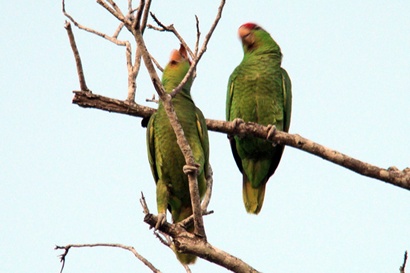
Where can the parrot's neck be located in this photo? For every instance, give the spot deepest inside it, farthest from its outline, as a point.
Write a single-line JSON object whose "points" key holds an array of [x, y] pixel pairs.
{"points": [[183, 96], [266, 57]]}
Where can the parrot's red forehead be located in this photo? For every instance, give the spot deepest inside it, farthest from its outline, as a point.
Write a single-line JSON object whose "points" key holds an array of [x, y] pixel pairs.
{"points": [[249, 25]]}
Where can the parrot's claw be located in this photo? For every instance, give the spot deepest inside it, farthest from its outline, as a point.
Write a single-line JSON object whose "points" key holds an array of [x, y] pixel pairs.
{"points": [[236, 122], [187, 169], [271, 132], [162, 217]]}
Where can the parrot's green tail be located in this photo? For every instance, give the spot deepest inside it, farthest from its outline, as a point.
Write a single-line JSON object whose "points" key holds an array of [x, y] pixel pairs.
{"points": [[253, 197], [182, 257], [186, 258]]}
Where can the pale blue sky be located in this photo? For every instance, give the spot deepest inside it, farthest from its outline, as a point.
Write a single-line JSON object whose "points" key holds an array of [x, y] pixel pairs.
{"points": [[73, 175]]}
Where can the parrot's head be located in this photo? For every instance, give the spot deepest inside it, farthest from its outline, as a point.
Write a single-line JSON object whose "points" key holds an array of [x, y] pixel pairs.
{"points": [[255, 38], [176, 70]]}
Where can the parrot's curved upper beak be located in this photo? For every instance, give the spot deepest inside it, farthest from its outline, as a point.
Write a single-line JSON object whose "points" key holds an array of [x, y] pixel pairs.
{"points": [[243, 31]]}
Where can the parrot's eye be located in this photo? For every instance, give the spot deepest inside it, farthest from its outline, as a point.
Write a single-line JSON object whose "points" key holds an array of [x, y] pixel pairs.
{"points": [[173, 62]]}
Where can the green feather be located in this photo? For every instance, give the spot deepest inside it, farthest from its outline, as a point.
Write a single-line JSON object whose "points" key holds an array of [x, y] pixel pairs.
{"points": [[259, 90]]}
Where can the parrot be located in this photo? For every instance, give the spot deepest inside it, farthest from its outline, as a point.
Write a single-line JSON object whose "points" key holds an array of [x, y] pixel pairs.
{"points": [[164, 155], [259, 90]]}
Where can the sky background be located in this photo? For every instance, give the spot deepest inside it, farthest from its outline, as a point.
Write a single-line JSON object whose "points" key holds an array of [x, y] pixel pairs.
{"points": [[73, 175]]}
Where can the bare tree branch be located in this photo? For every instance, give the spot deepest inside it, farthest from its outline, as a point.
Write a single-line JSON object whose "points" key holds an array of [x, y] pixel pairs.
{"points": [[390, 175], [208, 193], [88, 100], [103, 35], [403, 266], [198, 36], [142, 12], [116, 8], [160, 68], [172, 29], [118, 30], [132, 69], [129, 248], [117, 14], [189, 243], [80, 71]]}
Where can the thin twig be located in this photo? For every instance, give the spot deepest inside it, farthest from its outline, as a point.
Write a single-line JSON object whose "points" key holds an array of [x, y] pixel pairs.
{"points": [[208, 192], [114, 12], [116, 8], [136, 24], [403, 266], [161, 235], [144, 204], [118, 30], [145, 16], [187, 222], [132, 74], [187, 269], [129, 6], [160, 68], [103, 35], [129, 248], [172, 29], [80, 71], [198, 36], [143, 11], [153, 99]]}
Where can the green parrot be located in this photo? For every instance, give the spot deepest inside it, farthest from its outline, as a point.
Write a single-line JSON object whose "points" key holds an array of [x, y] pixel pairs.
{"points": [[164, 155], [259, 90]]}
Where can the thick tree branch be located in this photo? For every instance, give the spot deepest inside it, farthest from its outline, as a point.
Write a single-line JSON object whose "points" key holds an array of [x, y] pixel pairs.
{"points": [[189, 243], [390, 175], [89, 100], [129, 248]]}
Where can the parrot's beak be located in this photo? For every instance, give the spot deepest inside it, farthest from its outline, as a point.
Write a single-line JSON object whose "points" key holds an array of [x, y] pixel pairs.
{"points": [[243, 32], [246, 36]]}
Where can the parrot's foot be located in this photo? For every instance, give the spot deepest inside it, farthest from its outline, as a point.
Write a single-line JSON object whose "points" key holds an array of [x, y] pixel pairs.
{"points": [[162, 217], [236, 122], [187, 169], [271, 132]]}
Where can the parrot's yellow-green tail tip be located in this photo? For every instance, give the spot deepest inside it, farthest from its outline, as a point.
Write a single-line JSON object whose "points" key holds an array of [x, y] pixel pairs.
{"points": [[253, 197], [184, 258]]}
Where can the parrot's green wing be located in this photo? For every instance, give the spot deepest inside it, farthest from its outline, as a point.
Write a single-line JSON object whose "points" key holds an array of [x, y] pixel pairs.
{"points": [[287, 94], [151, 146], [203, 136], [229, 96]]}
